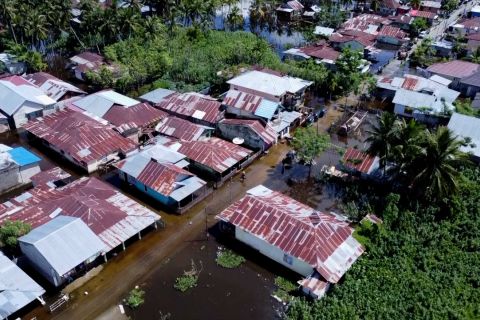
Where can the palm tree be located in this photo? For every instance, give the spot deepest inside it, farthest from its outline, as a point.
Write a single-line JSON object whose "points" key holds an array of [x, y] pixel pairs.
{"points": [[235, 18], [7, 12], [435, 170], [382, 138], [407, 146]]}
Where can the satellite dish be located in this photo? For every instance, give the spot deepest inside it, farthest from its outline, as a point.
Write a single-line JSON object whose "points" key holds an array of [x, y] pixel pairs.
{"points": [[238, 141]]}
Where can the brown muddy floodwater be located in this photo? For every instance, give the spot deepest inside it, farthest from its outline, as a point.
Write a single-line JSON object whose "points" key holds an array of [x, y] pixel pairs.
{"points": [[241, 293]]}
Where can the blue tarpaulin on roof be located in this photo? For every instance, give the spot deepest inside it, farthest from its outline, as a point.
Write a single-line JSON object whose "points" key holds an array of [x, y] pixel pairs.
{"points": [[266, 109], [22, 156]]}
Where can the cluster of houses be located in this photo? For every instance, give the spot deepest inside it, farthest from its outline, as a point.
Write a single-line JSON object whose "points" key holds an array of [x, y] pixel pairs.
{"points": [[390, 24], [170, 146]]}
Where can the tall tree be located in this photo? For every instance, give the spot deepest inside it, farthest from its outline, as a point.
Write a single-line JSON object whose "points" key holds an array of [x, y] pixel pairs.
{"points": [[434, 171], [382, 138], [308, 144]]}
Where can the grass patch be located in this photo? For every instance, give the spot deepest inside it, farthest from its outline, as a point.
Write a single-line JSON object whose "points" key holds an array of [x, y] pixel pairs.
{"points": [[228, 259], [189, 279], [284, 290], [136, 298], [185, 282]]}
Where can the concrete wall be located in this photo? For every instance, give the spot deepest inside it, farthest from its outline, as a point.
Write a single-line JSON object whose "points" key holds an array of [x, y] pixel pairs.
{"points": [[9, 177], [274, 253], [26, 172], [252, 140]]}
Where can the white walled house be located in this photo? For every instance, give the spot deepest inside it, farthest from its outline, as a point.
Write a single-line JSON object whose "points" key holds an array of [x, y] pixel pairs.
{"points": [[17, 167], [21, 101], [294, 235]]}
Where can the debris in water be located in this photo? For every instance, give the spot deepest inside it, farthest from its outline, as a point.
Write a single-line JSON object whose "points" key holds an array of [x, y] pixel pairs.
{"points": [[86, 293]]}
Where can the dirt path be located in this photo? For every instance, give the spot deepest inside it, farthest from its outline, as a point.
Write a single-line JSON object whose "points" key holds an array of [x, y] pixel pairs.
{"points": [[141, 258]]}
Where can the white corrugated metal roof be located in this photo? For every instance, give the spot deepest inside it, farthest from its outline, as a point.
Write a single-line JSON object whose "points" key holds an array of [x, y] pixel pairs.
{"points": [[100, 102], [467, 126], [64, 242], [14, 95], [17, 289], [156, 95], [269, 83]]}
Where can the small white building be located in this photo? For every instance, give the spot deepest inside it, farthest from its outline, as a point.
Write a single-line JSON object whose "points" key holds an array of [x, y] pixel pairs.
{"points": [[21, 101], [294, 235], [272, 86], [17, 167]]}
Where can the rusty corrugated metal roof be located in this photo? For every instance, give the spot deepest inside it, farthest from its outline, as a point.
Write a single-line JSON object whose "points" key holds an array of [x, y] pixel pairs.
{"points": [[112, 216], [82, 137], [358, 160], [180, 129], [193, 105], [214, 153], [141, 115], [410, 83], [315, 237]]}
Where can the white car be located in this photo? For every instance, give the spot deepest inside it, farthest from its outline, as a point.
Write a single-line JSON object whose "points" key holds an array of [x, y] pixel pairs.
{"points": [[423, 34]]}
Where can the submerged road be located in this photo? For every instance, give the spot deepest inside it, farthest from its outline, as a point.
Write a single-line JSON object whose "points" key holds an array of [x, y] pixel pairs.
{"points": [[142, 258]]}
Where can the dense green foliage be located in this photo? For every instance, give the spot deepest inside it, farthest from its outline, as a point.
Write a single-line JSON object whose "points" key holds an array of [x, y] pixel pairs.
{"points": [[308, 143], [228, 259], [465, 107], [284, 289], [424, 161], [136, 297], [424, 54], [10, 231], [417, 266]]}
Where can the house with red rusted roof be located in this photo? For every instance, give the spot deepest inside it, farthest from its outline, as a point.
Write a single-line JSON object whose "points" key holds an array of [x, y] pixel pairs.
{"points": [[213, 158], [321, 52], [352, 39], [113, 217], [192, 106], [163, 178], [298, 237], [403, 21], [86, 61], [457, 71], [255, 134], [135, 122], [359, 163], [182, 129], [388, 7], [392, 35], [54, 87], [83, 139], [290, 10], [366, 22], [427, 15]]}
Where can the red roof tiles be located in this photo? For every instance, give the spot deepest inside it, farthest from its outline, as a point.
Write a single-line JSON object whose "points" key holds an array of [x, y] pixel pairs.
{"points": [[317, 238], [192, 105], [141, 115], [358, 160], [80, 136]]}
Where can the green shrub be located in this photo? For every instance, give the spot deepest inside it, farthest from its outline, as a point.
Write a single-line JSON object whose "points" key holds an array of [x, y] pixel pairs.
{"points": [[135, 298], [228, 259], [185, 282]]}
